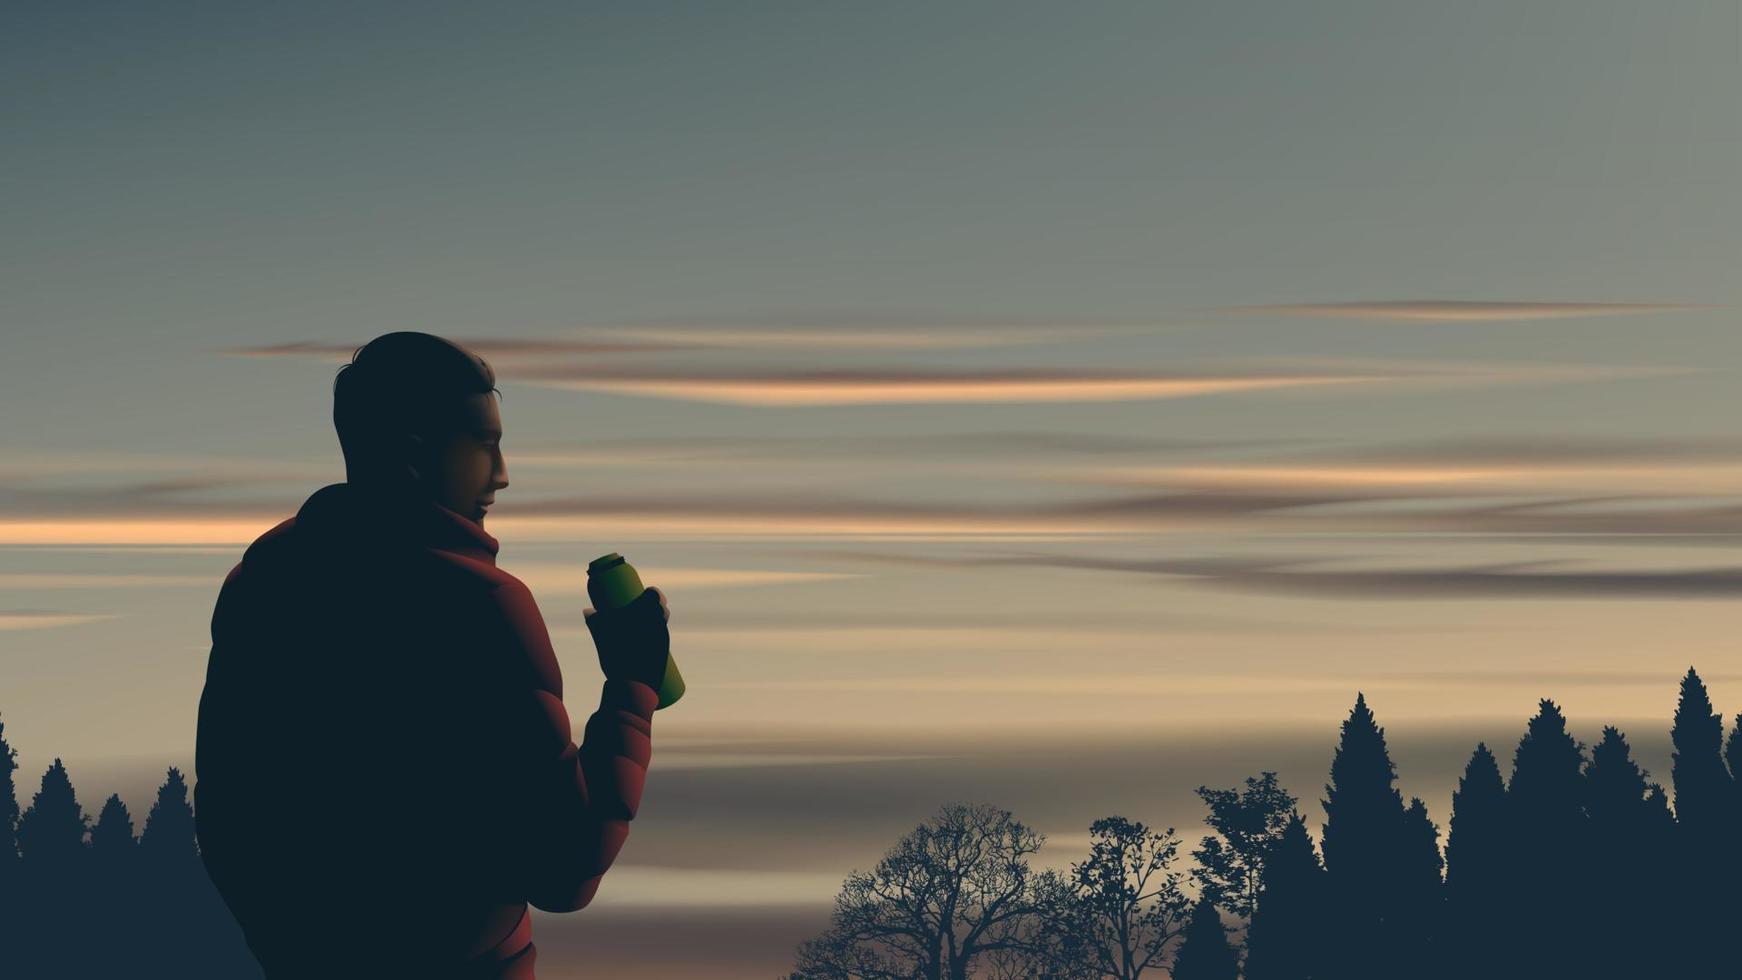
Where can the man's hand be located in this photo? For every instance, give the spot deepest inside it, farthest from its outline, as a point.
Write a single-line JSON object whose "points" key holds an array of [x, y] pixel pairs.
{"points": [[633, 641]]}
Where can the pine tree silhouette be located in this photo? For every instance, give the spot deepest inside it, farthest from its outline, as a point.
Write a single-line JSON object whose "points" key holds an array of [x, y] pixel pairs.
{"points": [[1476, 844], [1205, 953], [114, 903], [1631, 829], [1421, 901], [168, 838], [81, 908], [11, 883], [8, 814], [1706, 801], [1365, 850], [1732, 754], [51, 834], [1546, 800], [1479, 866], [56, 877], [191, 915], [1703, 787], [1285, 941], [112, 840]]}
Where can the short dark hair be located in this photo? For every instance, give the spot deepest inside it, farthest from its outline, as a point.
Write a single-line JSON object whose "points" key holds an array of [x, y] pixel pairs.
{"points": [[403, 382]]}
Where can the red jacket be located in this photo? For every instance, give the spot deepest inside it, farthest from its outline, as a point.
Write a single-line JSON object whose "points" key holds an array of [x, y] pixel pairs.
{"points": [[385, 770]]}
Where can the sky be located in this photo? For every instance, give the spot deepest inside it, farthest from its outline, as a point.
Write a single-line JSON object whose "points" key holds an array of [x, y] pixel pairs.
{"points": [[1005, 396]]}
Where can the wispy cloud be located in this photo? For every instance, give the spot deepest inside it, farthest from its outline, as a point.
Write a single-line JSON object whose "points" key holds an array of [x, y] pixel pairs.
{"points": [[913, 386], [1509, 580], [558, 578], [1465, 311], [31, 581], [633, 885], [37, 463], [42, 619], [1032, 448], [859, 337], [489, 348], [1185, 683], [800, 514]]}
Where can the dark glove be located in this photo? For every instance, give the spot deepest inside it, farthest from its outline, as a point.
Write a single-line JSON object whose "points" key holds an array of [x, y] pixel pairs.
{"points": [[633, 641]]}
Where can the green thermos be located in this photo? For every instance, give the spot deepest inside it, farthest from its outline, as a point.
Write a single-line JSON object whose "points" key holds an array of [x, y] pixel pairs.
{"points": [[613, 583]]}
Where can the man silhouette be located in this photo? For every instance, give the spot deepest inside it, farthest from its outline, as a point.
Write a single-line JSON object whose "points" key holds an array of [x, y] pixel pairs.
{"points": [[386, 776]]}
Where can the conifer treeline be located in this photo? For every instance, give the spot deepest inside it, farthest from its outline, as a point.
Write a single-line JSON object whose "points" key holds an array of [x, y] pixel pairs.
{"points": [[1574, 866], [79, 899]]}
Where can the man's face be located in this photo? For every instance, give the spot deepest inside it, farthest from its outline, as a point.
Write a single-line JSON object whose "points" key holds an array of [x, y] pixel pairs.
{"points": [[471, 468]]}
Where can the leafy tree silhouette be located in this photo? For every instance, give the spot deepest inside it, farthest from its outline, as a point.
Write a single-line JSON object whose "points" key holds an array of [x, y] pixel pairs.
{"points": [[1577, 868], [1364, 848], [1129, 902], [1706, 805], [1205, 953], [1250, 822], [952, 890], [1285, 941]]}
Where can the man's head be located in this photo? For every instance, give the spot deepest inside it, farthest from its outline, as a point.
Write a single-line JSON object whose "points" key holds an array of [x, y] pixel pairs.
{"points": [[416, 419]]}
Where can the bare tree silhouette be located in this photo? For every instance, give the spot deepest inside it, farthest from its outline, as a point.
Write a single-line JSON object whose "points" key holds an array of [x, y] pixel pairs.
{"points": [[955, 889]]}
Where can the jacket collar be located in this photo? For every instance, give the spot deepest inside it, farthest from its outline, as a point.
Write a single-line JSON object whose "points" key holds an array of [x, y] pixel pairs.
{"points": [[354, 511]]}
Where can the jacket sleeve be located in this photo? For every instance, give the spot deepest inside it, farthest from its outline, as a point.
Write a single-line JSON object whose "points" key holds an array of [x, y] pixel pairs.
{"points": [[566, 808]]}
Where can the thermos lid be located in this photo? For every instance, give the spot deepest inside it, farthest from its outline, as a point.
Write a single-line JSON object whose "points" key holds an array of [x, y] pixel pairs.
{"points": [[604, 562]]}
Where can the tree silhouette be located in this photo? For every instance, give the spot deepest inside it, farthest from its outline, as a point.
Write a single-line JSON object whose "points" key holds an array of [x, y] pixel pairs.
{"points": [[55, 879], [1421, 897], [1130, 906], [8, 816], [1285, 941], [112, 840], [51, 834], [950, 891], [1364, 848], [1050, 944], [168, 837], [1476, 844], [1629, 830], [1479, 865], [1732, 751], [1706, 801], [11, 884], [1704, 791], [1205, 954], [117, 901], [1250, 822], [1546, 801]]}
